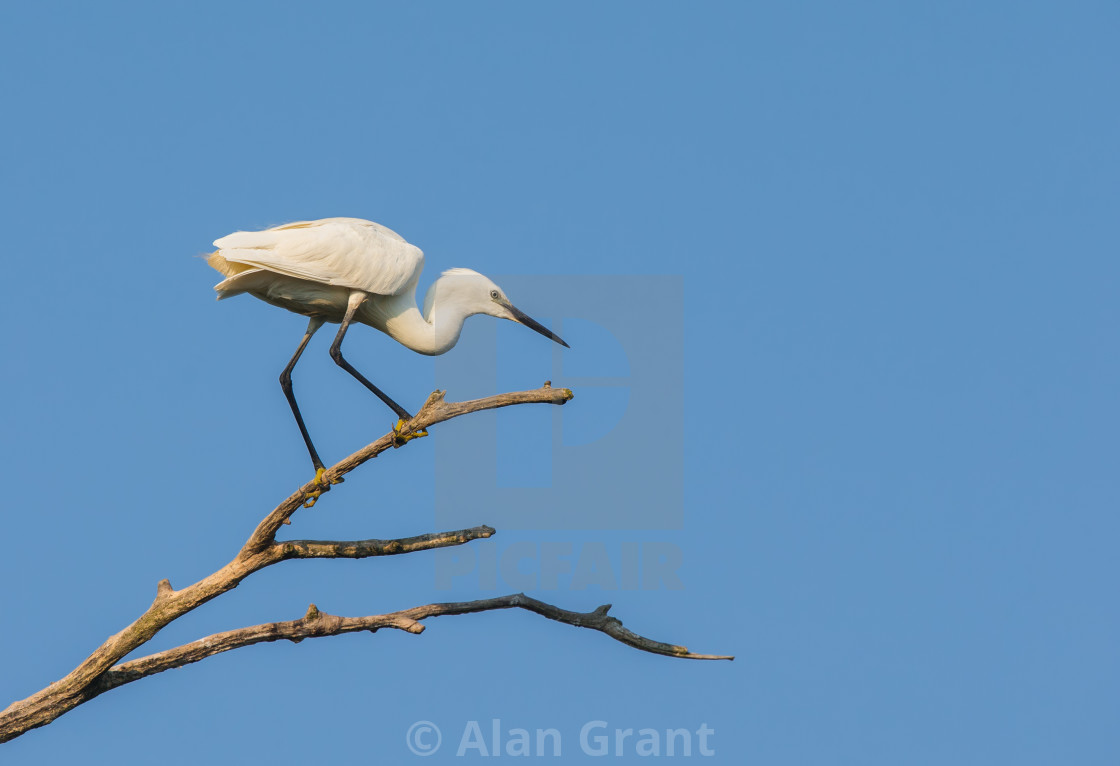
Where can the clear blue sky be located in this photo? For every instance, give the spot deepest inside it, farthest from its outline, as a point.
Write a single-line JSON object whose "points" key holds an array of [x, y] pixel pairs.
{"points": [[889, 373]]}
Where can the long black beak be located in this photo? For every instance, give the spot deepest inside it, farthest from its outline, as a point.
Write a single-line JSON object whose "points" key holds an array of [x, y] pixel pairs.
{"points": [[533, 324]]}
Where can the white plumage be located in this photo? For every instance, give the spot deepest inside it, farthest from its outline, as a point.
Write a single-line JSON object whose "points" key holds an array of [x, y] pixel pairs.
{"points": [[347, 252], [348, 270]]}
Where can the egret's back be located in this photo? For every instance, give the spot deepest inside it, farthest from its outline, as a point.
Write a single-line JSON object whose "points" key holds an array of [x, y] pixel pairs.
{"points": [[341, 252]]}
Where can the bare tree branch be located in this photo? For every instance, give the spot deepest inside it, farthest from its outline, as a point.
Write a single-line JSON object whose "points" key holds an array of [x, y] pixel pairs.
{"points": [[84, 682], [317, 624], [360, 549], [100, 671], [259, 551]]}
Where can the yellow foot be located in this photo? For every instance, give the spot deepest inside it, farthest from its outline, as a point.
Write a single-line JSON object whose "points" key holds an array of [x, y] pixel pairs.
{"points": [[401, 437], [313, 497]]}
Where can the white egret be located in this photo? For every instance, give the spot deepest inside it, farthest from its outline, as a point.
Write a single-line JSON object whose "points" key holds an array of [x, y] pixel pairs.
{"points": [[345, 270]]}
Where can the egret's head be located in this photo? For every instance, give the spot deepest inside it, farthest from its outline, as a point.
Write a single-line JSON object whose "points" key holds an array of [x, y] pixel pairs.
{"points": [[477, 294]]}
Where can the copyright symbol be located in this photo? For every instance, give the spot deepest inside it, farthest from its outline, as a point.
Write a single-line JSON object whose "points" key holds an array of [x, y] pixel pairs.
{"points": [[423, 738]]}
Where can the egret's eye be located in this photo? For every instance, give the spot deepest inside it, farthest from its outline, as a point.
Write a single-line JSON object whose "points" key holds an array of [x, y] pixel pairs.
{"points": [[495, 294]]}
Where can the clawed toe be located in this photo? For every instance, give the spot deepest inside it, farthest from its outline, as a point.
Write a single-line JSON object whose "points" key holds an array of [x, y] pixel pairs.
{"points": [[402, 437], [313, 496]]}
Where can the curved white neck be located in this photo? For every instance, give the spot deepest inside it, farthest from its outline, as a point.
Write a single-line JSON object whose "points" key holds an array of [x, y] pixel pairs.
{"points": [[433, 333]]}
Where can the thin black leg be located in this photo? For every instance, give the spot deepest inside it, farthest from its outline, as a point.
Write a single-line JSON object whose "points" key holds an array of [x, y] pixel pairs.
{"points": [[356, 299], [286, 384]]}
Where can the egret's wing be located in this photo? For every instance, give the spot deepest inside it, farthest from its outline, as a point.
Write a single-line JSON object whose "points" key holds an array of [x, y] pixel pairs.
{"points": [[347, 252], [243, 282]]}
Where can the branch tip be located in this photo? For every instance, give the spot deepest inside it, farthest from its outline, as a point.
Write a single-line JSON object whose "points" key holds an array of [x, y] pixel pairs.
{"points": [[408, 625]]}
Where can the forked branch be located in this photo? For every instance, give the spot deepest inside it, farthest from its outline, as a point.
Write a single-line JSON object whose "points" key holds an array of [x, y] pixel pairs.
{"points": [[103, 669], [435, 410]]}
